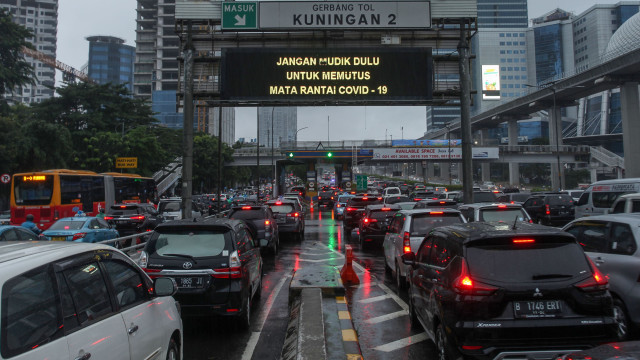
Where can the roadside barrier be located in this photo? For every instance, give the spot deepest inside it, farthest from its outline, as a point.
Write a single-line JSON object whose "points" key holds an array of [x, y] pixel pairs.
{"points": [[347, 274]]}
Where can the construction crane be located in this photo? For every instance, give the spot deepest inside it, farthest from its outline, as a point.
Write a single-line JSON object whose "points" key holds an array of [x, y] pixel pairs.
{"points": [[70, 74]]}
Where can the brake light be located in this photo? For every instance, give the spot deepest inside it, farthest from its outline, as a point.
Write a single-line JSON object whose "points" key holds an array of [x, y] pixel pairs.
{"points": [[466, 286], [123, 206], [548, 211], [228, 273], [442, 202], [351, 209], [246, 208], [385, 209], [513, 202], [436, 212], [365, 198], [417, 199], [502, 206], [379, 198], [597, 282], [267, 222], [108, 218], [332, 198], [319, 197], [471, 347], [278, 202], [523, 241], [137, 217], [152, 272], [406, 242], [77, 236], [338, 205]]}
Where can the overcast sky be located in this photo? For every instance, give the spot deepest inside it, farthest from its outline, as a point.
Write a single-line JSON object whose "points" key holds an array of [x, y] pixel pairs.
{"points": [[78, 19]]}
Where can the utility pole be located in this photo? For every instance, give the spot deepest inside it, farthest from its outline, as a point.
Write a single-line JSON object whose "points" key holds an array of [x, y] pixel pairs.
{"points": [[187, 140], [220, 164], [465, 114], [258, 151], [273, 186]]}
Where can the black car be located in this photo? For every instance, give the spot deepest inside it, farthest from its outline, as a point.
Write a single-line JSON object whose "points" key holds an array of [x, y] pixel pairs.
{"points": [[262, 222], [434, 204], [216, 264], [551, 209], [478, 197], [354, 211], [131, 219], [289, 216], [374, 223], [485, 289], [327, 198]]}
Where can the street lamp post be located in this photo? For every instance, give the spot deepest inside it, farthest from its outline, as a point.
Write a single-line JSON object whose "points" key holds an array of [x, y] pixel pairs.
{"points": [[297, 131], [558, 128], [449, 153], [273, 188]]}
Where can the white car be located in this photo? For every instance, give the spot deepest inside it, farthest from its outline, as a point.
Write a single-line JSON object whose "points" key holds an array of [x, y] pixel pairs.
{"points": [[170, 209], [68, 300], [392, 190]]}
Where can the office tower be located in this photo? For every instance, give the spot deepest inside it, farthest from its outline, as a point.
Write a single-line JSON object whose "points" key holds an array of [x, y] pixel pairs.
{"points": [[502, 14], [111, 61], [41, 17], [285, 125]]}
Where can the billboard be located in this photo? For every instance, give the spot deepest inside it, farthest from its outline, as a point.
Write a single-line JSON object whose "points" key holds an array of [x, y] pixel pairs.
{"points": [[350, 75], [490, 82], [412, 143], [439, 153]]}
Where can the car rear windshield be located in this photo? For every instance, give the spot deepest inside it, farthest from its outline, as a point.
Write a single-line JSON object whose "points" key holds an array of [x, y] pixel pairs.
{"points": [[505, 261], [381, 215], [519, 197], [67, 225], [559, 200], [246, 214], [281, 209], [360, 203], [484, 197], [117, 210], [508, 215], [196, 243], [423, 223], [396, 199], [169, 206]]}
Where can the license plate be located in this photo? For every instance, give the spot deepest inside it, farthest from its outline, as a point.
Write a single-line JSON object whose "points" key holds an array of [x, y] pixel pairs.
{"points": [[537, 309], [58, 238], [189, 282]]}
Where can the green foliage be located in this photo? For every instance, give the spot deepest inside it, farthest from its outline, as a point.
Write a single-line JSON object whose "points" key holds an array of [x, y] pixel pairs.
{"points": [[205, 163], [574, 177], [14, 69]]}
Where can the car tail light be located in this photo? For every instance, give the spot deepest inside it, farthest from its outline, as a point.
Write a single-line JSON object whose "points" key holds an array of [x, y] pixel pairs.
{"points": [[338, 205], [442, 202], [77, 236], [385, 209], [278, 202], [267, 222], [137, 217], [436, 212], [332, 198], [246, 208], [293, 214], [406, 242], [351, 209], [548, 211], [367, 220], [417, 199], [466, 286], [142, 261], [234, 271], [123, 206], [108, 218], [365, 198], [152, 272], [597, 282], [523, 241], [471, 347], [502, 206]]}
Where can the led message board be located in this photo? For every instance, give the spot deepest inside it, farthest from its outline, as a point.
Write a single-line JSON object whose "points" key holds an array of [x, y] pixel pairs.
{"points": [[313, 75]]}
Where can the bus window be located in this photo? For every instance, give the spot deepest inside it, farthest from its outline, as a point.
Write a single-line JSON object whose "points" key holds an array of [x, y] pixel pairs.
{"points": [[33, 190]]}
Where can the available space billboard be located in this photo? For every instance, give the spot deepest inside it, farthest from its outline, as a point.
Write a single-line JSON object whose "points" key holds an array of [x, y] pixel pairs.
{"points": [[490, 82], [438, 153]]}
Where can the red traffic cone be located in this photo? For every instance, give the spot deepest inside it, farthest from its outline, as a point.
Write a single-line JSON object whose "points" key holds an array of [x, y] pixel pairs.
{"points": [[347, 274]]}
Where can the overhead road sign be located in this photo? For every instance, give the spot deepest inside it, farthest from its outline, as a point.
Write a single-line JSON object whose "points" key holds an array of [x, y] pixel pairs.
{"points": [[126, 162], [351, 15], [239, 15], [327, 75], [439, 153]]}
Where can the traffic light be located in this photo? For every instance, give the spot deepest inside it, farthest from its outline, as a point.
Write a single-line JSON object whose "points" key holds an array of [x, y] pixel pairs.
{"points": [[291, 155], [329, 154]]}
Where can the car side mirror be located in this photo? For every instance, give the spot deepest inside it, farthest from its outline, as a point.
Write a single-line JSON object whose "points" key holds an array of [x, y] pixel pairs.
{"points": [[264, 242], [409, 259], [164, 286]]}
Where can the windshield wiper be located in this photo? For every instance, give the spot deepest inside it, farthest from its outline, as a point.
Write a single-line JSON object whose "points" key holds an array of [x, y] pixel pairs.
{"points": [[184, 256], [550, 276]]}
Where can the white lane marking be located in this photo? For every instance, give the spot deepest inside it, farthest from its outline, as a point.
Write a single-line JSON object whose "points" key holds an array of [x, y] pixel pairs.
{"points": [[383, 318], [399, 344], [317, 260], [255, 336], [395, 297], [374, 299]]}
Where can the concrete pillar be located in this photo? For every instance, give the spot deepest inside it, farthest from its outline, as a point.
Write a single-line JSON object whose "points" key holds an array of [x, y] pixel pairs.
{"points": [[486, 171], [555, 140], [430, 171], [514, 167], [594, 175], [630, 128], [580, 122], [423, 171], [604, 112], [445, 174]]}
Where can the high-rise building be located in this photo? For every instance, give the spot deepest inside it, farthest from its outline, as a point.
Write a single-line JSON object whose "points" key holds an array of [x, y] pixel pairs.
{"points": [[502, 14], [551, 46], [283, 120], [157, 69], [41, 17], [111, 61]]}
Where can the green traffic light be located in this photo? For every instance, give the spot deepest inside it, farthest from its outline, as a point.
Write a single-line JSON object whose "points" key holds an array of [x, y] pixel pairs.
{"points": [[329, 154], [290, 155]]}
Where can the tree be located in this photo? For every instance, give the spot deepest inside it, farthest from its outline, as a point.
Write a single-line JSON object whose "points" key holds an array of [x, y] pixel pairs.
{"points": [[14, 69]]}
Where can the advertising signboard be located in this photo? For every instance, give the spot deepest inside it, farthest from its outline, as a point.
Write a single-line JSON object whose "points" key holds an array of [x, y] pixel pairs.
{"points": [[439, 153], [490, 82], [323, 74]]}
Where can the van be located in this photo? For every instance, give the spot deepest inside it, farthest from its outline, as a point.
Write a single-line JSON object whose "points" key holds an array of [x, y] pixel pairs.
{"points": [[600, 195]]}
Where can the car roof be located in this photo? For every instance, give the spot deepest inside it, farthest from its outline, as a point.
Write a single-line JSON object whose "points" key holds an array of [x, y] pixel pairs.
{"points": [[41, 252], [77, 218], [380, 206], [4, 228], [207, 222], [492, 205], [428, 210], [621, 217], [284, 201], [475, 231], [626, 196]]}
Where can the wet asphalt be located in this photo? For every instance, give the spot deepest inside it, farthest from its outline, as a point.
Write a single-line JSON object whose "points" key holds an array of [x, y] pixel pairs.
{"points": [[379, 313]]}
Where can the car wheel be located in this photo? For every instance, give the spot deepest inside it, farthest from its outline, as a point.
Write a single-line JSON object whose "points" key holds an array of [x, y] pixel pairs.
{"points": [[387, 268], [244, 319], [363, 243], [172, 351], [620, 315], [400, 280], [274, 248], [445, 350], [413, 317], [258, 293]]}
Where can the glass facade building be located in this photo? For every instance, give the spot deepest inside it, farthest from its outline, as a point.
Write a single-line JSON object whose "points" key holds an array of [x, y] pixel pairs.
{"points": [[111, 61], [284, 121], [164, 105], [502, 14], [548, 56]]}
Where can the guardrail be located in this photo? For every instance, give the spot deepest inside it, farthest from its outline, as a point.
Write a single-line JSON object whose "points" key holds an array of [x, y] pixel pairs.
{"points": [[124, 238]]}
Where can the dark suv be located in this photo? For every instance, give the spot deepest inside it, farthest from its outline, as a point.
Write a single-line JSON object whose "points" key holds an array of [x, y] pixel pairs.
{"points": [[485, 289], [551, 209], [216, 264], [354, 211], [374, 223], [131, 219], [289, 216], [327, 198], [263, 222]]}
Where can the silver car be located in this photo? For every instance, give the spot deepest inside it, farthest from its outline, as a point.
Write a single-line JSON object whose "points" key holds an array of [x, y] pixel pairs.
{"points": [[611, 241]]}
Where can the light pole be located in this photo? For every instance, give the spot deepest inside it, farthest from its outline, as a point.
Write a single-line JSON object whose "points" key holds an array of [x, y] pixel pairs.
{"points": [[449, 153], [297, 131], [273, 190]]}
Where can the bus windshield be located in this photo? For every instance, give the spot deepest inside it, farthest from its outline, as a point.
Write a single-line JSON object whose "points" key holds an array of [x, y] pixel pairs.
{"points": [[33, 189]]}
